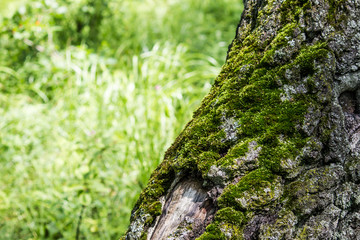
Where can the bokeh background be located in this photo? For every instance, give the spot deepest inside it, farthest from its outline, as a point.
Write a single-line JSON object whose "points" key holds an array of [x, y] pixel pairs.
{"points": [[92, 92]]}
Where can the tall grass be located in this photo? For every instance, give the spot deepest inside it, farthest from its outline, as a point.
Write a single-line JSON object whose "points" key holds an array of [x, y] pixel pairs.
{"points": [[84, 119], [7, 8]]}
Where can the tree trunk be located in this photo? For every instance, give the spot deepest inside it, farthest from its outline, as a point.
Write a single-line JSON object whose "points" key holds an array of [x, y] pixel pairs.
{"points": [[273, 150]]}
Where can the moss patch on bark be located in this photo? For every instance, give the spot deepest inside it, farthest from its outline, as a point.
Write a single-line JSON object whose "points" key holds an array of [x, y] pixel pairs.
{"points": [[249, 132]]}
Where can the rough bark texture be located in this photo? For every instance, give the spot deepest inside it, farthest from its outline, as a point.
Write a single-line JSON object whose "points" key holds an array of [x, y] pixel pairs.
{"points": [[273, 151]]}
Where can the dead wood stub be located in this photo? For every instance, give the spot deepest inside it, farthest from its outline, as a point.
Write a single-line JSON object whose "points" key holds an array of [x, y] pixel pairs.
{"points": [[188, 206]]}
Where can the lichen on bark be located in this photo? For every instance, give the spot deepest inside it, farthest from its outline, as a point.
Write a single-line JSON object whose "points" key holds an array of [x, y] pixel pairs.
{"points": [[275, 144]]}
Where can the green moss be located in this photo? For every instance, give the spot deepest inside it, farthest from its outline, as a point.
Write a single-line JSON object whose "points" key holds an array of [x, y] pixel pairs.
{"points": [[249, 91], [234, 153], [307, 57], [255, 100], [263, 117], [213, 232], [155, 208], [291, 9], [301, 197], [222, 231], [334, 7], [230, 215], [282, 226], [206, 160], [255, 181], [282, 37], [143, 236], [271, 157]]}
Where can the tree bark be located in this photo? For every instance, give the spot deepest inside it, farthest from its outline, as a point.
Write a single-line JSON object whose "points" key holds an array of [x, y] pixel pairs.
{"points": [[273, 150]]}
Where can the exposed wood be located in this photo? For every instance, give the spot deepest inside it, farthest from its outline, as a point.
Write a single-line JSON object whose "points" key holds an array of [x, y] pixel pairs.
{"points": [[187, 205]]}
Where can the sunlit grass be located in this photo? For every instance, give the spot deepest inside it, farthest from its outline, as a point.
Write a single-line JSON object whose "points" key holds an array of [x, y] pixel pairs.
{"points": [[81, 129], [7, 8]]}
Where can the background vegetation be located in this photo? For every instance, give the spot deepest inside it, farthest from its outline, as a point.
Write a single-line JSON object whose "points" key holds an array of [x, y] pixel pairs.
{"points": [[92, 92]]}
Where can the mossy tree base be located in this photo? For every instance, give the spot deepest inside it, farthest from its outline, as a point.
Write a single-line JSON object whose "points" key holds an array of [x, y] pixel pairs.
{"points": [[275, 146]]}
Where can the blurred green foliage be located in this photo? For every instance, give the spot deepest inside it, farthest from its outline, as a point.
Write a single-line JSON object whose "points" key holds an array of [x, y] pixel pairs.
{"points": [[92, 92]]}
